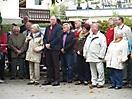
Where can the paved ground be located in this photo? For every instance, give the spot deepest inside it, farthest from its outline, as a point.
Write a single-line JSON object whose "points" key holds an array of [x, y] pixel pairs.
{"points": [[18, 89]]}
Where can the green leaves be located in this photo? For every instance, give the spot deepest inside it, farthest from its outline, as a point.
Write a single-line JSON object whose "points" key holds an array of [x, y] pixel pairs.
{"points": [[0, 18]]}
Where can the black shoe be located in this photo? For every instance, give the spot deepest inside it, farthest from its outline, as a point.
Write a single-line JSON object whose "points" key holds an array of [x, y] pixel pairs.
{"points": [[36, 83], [30, 83], [111, 87], [2, 78], [46, 83], [118, 88], [85, 83], [69, 81], [56, 84], [12, 78], [79, 83], [20, 77], [62, 80]]}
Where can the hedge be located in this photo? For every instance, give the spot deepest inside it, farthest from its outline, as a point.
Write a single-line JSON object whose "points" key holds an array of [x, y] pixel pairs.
{"points": [[104, 25], [7, 27]]}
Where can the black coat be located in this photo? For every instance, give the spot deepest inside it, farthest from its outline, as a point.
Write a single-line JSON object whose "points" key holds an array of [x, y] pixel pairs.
{"points": [[69, 44]]}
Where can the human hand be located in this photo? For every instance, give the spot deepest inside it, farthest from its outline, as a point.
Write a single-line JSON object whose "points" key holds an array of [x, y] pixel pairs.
{"points": [[48, 46]]}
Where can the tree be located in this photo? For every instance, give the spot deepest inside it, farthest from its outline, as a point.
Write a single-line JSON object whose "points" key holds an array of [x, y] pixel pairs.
{"points": [[79, 2], [87, 3], [0, 18]]}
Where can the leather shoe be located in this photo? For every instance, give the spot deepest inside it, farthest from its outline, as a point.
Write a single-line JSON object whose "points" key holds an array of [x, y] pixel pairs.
{"points": [[69, 81], [46, 83], [30, 83], [62, 80], [118, 88], [100, 86], [79, 83], [12, 78], [56, 84], [36, 83], [111, 87], [92, 86]]}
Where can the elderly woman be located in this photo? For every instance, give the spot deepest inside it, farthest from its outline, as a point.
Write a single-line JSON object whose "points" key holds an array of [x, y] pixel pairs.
{"points": [[33, 54], [3, 43], [83, 67], [17, 46], [115, 58]]}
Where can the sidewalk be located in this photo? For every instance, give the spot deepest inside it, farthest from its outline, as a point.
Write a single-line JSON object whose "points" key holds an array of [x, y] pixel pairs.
{"points": [[18, 89]]}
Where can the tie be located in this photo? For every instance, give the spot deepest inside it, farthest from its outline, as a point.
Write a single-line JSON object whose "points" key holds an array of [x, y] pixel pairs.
{"points": [[50, 31]]}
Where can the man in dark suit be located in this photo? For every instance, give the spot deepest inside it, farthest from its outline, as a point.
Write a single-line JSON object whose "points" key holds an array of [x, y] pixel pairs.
{"points": [[66, 55], [52, 47], [23, 27]]}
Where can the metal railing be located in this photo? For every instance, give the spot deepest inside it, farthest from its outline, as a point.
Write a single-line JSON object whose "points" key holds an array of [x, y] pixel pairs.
{"points": [[35, 14]]}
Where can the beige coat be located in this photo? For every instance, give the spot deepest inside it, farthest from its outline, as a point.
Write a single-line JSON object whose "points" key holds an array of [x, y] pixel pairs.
{"points": [[37, 44]]}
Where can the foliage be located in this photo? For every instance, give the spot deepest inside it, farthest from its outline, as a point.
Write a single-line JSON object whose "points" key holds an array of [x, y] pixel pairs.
{"points": [[79, 1], [7, 27], [0, 18], [55, 10], [20, 0], [104, 24]]}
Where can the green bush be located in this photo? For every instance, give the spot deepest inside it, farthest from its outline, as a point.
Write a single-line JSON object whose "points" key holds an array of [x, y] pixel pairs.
{"points": [[104, 24], [7, 27], [0, 18]]}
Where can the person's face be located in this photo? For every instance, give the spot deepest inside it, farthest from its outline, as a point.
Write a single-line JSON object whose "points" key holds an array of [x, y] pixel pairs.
{"points": [[77, 24], [28, 26], [33, 30], [84, 30], [25, 20], [65, 29], [12, 26], [16, 31], [94, 29], [118, 21], [111, 22], [52, 20]]}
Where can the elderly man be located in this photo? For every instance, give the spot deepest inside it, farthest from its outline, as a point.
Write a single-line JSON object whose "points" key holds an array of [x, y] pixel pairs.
{"points": [[94, 52], [17, 46], [52, 48], [23, 27], [27, 32], [127, 35], [67, 44]]}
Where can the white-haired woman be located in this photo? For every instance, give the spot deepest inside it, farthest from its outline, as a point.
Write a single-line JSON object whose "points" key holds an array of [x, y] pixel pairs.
{"points": [[115, 58], [33, 54]]}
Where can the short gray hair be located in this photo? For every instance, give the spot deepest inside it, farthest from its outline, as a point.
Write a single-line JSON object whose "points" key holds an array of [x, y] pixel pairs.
{"points": [[67, 24], [97, 25], [38, 29], [16, 27], [119, 33]]}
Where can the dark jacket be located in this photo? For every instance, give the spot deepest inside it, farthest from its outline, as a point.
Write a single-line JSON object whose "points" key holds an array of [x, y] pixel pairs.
{"points": [[54, 39], [80, 43], [17, 42], [69, 44]]}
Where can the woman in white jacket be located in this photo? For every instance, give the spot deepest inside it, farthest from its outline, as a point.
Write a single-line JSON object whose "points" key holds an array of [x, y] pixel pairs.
{"points": [[33, 54], [115, 58]]}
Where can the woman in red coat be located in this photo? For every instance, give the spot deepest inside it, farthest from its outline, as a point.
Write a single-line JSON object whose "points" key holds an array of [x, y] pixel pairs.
{"points": [[3, 43], [110, 31]]}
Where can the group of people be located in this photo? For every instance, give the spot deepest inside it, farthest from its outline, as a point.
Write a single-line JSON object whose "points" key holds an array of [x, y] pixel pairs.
{"points": [[78, 49]]}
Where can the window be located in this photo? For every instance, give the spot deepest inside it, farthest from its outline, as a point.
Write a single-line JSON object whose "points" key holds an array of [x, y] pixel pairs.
{"points": [[38, 2]]}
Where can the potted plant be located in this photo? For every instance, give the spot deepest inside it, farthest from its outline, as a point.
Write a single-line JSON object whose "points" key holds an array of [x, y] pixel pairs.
{"points": [[79, 2]]}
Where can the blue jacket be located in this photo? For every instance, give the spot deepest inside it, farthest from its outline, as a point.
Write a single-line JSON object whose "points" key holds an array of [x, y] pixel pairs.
{"points": [[131, 46], [54, 39]]}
